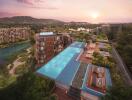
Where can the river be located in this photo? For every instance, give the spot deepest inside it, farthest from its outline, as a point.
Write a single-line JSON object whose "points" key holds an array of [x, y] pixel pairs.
{"points": [[8, 52]]}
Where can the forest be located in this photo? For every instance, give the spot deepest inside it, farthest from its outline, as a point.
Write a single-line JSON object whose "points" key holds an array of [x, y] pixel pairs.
{"points": [[121, 36]]}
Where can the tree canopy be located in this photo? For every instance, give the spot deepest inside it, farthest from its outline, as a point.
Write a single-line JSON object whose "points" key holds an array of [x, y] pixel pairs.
{"points": [[118, 93], [29, 87]]}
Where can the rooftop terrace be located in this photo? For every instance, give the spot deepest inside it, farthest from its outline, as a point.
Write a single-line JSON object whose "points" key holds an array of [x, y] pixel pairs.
{"points": [[92, 88]]}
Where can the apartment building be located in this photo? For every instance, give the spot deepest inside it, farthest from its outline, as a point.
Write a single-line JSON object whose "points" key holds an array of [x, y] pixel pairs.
{"points": [[9, 35], [48, 44]]}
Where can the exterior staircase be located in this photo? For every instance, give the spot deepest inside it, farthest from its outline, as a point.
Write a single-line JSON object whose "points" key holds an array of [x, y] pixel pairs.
{"points": [[75, 93]]}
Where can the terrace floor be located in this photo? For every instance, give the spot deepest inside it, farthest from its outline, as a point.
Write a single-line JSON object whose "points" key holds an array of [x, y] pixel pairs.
{"points": [[91, 77], [84, 59]]}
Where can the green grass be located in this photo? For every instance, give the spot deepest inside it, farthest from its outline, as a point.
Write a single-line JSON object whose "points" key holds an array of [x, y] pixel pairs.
{"points": [[6, 80], [23, 57], [101, 36], [21, 69]]}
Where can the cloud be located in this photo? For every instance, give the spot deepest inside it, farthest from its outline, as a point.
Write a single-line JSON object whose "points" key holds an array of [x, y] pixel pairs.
{"points": [[37, 4], [30, 2], [48, 8]]}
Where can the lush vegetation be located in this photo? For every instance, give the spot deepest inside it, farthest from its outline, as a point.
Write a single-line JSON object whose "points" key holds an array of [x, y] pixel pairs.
{"points": [[81, 36], [6, 80], [121, 35], [24, 85], [101, 36], [118, 93], [100, 60], [29, 87]]}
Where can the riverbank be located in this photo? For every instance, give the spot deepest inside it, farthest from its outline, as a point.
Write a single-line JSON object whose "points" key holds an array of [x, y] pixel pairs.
{"points": [[19, 62]]}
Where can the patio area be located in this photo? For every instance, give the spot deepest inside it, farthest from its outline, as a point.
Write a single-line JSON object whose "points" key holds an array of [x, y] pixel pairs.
{"points": [[87, 55]]}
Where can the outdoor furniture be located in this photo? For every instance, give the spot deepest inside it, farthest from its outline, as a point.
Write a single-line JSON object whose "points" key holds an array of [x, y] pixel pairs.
{"points": [[90, 51], [88, 56]]}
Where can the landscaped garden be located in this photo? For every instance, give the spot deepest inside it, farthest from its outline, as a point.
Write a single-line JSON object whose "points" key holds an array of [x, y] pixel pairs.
{"points": [[101, 36]]}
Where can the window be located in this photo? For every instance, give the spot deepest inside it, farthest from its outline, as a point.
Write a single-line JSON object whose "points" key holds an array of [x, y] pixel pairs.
{"points": [[41, 61], [41, 48], [42, 44]]}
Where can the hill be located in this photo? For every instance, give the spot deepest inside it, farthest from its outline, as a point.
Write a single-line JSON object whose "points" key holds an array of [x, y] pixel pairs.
{"points": [[28, 20]]}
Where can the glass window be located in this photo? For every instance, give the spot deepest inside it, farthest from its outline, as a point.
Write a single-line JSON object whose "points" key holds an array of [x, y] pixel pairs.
{"points": [[41, 48]]}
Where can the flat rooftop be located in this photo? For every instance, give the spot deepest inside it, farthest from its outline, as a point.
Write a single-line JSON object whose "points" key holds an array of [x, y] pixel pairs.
{"points": [[46, 33], [62, 68]]}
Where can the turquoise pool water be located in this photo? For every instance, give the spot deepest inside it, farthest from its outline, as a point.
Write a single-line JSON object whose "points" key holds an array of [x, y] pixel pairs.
{"points": [[54, 67], [57, 67]]}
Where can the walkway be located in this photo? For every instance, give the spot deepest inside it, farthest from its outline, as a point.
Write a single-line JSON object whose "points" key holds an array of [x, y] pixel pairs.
{"points": [[16, 63]]}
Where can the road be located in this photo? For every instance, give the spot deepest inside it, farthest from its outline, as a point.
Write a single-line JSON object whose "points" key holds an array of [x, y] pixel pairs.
{"points": [[122, 67]]}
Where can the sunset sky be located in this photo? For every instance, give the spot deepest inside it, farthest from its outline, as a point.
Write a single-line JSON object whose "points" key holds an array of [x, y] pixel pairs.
{"points": [[94, 11]]}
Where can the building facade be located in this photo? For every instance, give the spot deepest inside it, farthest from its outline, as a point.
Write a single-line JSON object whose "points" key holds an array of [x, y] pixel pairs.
{"points": [[48, 45], [10, 35]]}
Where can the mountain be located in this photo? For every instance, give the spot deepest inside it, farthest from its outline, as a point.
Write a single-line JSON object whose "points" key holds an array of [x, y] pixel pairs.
{"points": [[31, 20], [28, 20]]}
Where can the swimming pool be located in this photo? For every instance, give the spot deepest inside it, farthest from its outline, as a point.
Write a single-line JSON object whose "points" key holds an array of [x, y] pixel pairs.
{"points": [[62, 67]]}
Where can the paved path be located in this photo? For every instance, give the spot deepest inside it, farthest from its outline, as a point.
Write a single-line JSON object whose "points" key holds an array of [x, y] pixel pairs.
{"points": [[122, 67], [16, 63]]}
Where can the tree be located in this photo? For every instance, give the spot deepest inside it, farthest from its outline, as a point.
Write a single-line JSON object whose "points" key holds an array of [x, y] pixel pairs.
{"points": [[98, 59], [118, 93], [28, 87]]}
